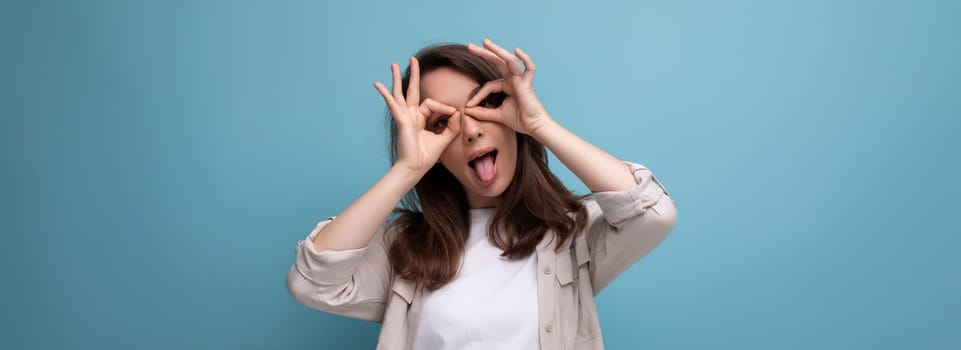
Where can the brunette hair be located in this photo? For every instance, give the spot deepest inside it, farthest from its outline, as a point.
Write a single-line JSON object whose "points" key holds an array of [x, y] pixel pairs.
{"points": [[433, 221]]}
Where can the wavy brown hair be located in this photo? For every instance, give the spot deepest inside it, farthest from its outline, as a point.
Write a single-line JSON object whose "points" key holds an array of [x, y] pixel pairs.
{"points": [[433, 221]]}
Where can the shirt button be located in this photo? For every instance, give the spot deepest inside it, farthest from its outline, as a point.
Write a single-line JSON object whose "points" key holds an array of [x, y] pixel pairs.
{"points": [[547, 270], [548, 328]]}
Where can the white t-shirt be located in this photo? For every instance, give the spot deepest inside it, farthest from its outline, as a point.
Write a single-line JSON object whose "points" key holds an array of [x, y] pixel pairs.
{"points": [[490, 304]]}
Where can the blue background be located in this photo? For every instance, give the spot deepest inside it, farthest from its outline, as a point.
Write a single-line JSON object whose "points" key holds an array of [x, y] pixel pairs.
{"points": [[161, 160]]}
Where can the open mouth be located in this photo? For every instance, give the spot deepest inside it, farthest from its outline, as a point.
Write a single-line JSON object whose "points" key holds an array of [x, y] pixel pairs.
{"points": [[483, 165]]}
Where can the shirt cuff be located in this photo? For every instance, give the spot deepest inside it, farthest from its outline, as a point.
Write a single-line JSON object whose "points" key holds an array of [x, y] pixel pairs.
{"points": [[327, 267], [620, 206]]}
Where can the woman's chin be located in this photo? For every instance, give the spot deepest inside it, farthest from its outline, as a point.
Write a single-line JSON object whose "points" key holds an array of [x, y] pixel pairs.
{"points": [[490, 192]]}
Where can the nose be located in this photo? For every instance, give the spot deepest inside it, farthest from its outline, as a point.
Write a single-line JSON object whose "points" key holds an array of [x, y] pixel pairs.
{"points": [[471, 128]]}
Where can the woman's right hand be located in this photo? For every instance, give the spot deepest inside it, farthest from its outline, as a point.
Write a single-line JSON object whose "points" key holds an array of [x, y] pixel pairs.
{"points": [[424, 129]]}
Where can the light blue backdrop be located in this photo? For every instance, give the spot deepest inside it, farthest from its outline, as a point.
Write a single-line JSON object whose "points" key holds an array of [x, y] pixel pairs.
{"points": [[161, 159]]}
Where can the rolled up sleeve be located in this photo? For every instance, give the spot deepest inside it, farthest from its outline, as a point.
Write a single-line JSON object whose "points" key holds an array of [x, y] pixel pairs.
{"points": [[327, 267], [352, 283], [627, 225]]}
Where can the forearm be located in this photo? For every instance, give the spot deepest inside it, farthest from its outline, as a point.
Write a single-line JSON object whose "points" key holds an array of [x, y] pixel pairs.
{"points": [[599, 170], [357, 224]]}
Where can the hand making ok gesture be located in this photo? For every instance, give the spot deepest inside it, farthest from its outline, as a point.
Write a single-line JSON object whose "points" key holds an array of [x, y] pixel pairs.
{"points": [[520, 110], [418, 147]]}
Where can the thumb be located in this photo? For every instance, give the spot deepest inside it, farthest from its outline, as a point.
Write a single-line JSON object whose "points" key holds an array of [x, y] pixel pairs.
{"points": [[453, 127]]}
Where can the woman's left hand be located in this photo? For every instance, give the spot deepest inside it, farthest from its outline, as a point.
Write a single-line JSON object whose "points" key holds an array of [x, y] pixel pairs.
{"points": [[520, 110]]}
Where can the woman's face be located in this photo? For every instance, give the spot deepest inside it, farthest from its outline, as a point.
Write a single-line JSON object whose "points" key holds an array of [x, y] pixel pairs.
{"points": [[483, 156]]}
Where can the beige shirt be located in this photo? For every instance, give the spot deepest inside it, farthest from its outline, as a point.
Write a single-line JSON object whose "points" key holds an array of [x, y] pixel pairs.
{"points": [[623, 226]]}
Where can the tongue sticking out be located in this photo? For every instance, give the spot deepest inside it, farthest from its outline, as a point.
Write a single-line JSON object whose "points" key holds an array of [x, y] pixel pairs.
{"points": [[484, 167]]}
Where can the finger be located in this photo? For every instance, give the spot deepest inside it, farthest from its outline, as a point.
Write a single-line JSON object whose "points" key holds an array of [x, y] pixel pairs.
{"points": [[453, 127], [488, 114], [386, 94], [528, 63], [493, 86], [489, 56], [413, 87], [387, 98], [430, 107], [398, 84], [509, 59]]}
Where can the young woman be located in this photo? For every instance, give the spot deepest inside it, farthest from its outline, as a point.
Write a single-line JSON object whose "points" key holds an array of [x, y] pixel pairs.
{"points": [[491, 250]]}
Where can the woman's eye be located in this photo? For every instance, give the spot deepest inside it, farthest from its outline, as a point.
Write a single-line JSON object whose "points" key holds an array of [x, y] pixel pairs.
{"points": [[493, 100], [438, 125]]}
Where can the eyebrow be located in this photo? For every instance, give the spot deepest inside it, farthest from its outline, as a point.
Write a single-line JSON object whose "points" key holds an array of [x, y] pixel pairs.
{"points": [[473, 92]]}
